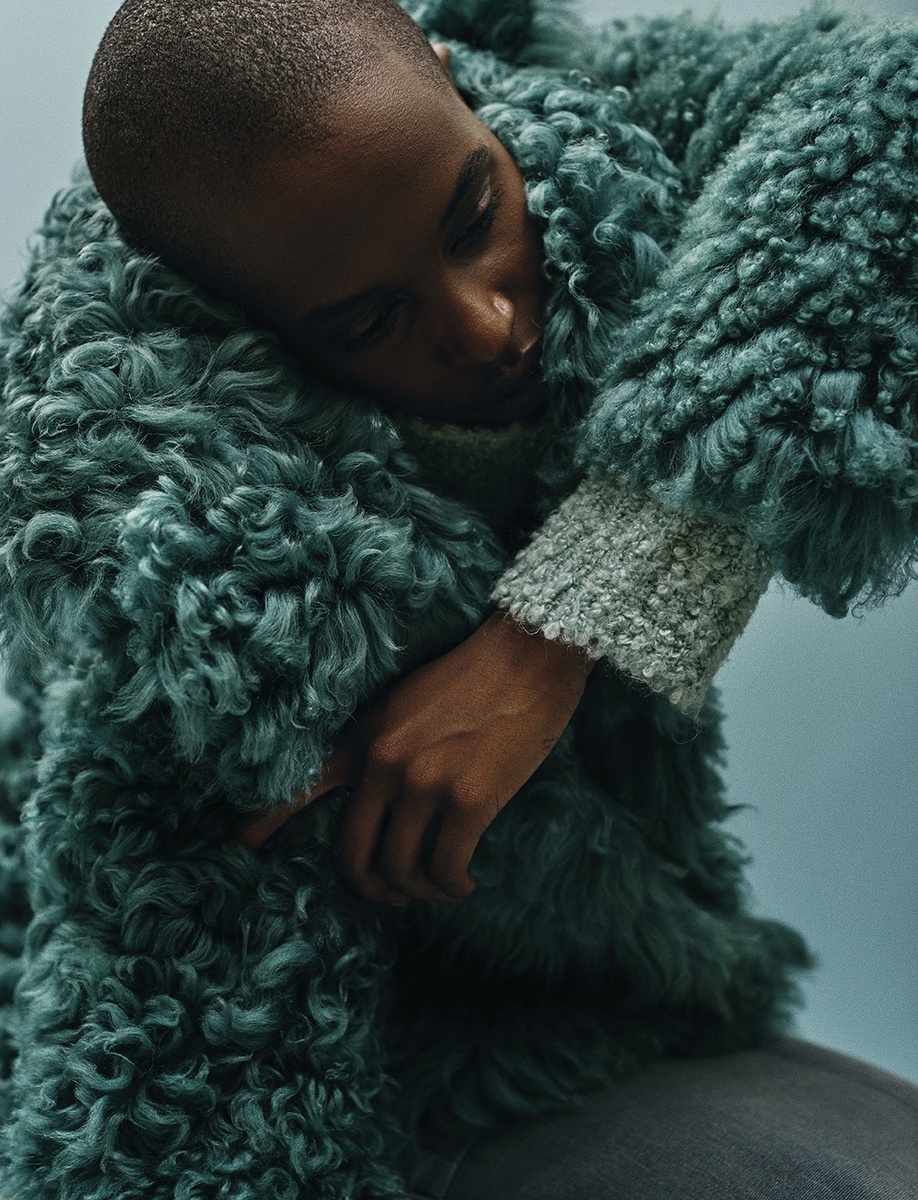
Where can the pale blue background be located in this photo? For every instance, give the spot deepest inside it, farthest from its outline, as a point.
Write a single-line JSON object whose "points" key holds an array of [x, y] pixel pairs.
{"points": [[822, 714]]}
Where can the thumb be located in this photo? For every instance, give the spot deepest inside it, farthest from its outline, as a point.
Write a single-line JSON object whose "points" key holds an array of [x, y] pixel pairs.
{"points": [[255, 830]]}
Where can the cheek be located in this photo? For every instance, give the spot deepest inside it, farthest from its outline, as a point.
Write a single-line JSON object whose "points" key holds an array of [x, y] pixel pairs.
{"points": [[527, 281], [524, 235], [325, 366], [384, 374]]}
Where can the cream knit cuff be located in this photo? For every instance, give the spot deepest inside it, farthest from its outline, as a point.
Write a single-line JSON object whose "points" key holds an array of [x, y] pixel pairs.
{"points": [[660, 594]]}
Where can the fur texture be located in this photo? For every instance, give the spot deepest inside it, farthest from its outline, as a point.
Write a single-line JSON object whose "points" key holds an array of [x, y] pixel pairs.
{"points": [[209, 561], [771, 377]]}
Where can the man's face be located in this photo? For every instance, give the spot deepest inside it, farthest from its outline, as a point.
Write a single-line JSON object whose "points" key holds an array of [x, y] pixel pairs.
{"points": [[398, 258]]}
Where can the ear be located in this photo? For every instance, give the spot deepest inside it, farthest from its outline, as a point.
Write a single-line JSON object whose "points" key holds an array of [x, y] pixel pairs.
{"points": [[445, 55]]}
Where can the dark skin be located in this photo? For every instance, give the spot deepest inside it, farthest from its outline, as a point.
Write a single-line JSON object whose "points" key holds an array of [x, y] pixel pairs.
{"points": [[399, 259]]}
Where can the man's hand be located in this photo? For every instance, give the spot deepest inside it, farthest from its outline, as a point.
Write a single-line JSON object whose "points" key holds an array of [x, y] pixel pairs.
{"points": [[435, 759]]}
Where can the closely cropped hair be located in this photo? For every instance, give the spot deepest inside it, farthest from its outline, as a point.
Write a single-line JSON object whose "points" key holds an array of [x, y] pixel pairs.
{"points": [[190, 95]]}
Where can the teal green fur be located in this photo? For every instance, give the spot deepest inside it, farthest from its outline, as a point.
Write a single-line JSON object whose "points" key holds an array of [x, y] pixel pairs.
{"points": [[209, 561], [771, 377], [17, 753]]}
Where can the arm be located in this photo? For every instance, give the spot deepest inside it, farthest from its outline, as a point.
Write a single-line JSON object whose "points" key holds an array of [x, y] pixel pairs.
{"points": [[443, 750], [659, 594], [720, 590], [205, 568], [769, 378], [732, 434], [761, 410], [691, 79], [694, 82]]}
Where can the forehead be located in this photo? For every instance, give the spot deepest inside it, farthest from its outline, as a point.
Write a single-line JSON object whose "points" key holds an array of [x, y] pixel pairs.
{"points": [[347, 214]]}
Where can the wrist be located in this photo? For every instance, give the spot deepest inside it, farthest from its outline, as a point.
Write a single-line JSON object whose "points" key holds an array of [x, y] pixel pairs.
{"points": [[532, 653]]}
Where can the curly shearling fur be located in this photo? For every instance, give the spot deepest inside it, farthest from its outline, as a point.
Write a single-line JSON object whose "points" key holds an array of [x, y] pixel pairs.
{"points": [[209, 561], [772, 375]]}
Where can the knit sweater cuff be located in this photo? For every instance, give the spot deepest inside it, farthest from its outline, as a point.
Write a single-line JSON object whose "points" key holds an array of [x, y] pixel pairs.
{"points": [[660, 594]]}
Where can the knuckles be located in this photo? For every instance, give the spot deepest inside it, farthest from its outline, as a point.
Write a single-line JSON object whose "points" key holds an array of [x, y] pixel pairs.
{"points": [[416, 777], [449, 885], [388, 755]]}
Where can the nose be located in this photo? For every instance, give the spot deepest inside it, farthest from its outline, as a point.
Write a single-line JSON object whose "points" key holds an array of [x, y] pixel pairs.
{"points": [[477, 326]]}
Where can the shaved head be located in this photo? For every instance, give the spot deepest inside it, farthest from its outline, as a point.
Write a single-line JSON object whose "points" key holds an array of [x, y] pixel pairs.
{"points": [[188, 100]]}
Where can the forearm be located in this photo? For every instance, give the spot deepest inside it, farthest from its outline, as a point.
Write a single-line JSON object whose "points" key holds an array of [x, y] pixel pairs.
{"points": [[768, 379], [692, 81]]}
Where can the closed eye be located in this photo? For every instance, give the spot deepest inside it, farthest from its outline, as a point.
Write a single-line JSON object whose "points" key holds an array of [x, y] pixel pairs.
{"points": [[360, 322], [371, 329], [376, 326], [477, 230]]}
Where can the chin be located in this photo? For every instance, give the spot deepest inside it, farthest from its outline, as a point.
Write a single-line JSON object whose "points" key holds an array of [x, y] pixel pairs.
{"points": [[528, 404]]}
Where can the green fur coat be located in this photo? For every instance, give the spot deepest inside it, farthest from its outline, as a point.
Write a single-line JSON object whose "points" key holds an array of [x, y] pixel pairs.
{"points": [[208, 561]]}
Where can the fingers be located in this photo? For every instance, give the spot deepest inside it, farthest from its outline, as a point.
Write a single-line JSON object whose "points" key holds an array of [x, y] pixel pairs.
{"points": [[460, 833], [256, 830], [337, 772], [389, 834], [402, 859], [365, 819]]}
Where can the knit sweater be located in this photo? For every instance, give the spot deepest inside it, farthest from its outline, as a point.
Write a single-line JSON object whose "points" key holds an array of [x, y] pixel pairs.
{"points": [[210, 561]]}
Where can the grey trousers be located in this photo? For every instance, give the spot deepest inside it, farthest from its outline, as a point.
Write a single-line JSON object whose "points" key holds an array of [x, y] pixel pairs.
{"points": [[792, 1121]]}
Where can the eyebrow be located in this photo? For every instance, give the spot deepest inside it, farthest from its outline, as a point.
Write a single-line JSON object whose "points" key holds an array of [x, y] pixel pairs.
{"points": [[471, 176]]}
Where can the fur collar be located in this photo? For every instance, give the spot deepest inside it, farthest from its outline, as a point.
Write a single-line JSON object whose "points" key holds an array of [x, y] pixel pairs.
{"points": [[210, 529]]}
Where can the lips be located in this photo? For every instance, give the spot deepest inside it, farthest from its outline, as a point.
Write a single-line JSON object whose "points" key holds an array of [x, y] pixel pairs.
{"points": [[522, 380], [520, 396], [519, 385], [527, 402]]}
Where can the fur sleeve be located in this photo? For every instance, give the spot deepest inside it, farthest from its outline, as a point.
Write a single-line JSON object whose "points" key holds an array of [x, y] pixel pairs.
{"points": [[240, 558], [770, 378], [205, 564]]}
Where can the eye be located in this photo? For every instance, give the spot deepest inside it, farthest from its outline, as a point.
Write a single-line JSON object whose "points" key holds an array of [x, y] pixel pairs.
{"points": [[478, 229], [371, 329]]}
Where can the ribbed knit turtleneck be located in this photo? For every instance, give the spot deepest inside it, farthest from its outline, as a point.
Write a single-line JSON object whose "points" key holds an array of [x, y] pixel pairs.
{"points": [[491, 469]]}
